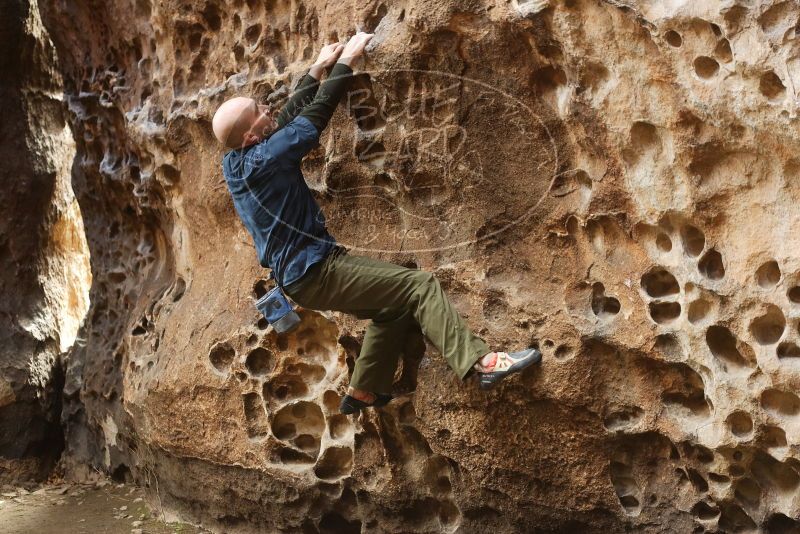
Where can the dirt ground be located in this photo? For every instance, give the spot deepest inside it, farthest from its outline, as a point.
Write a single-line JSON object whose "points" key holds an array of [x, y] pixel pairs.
{"points": [[65, 508]]}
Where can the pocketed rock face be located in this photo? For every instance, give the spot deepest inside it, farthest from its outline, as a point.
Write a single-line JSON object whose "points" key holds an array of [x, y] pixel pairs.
{"points": [[616, 181], [44, 264]]}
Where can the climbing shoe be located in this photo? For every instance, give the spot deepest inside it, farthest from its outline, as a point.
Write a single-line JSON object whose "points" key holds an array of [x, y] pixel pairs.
{"points": [[507, 364], [352, 405]]}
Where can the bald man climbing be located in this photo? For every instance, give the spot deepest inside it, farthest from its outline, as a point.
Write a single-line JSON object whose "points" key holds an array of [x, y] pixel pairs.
{"points": [[276, 206]]}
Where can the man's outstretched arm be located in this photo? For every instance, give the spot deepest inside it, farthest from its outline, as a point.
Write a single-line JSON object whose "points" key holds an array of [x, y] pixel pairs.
{"points": [[306, 90], [302, 96], [320, 110], [298, 138]]}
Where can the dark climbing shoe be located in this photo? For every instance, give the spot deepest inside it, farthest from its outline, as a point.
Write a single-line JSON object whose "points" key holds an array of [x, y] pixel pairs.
{"points": [[352, 405], [508, 364]]}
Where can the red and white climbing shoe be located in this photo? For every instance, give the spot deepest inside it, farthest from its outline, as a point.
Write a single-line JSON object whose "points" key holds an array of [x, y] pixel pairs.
{"points": [[505, 364]]}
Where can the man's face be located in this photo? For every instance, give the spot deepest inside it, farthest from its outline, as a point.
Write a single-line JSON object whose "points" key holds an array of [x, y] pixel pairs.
{"points": [[263, 121]]}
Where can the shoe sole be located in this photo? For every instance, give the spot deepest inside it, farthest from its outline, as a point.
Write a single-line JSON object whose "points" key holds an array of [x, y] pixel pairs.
{"points": [[490, 380], [350, 405]]}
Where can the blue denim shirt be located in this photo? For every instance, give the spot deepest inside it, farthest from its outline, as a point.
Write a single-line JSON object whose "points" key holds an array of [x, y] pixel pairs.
{"points": [[274, 202]]}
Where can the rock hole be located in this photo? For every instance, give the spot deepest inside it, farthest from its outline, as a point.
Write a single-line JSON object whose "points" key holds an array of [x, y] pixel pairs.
{"points": [[338, 426], [740, 423], [363, 104], [291, 456], [658, 282], [252, 34], [195, 38], [304, 420], [733, 519], [724, 346], [747, 492], [259, 362], [549, 79], [384, 180], [255, 415], [698, 310], [778, 523], [644, 139], [335, 463], [768, 328], [669, 347], [625, 418], [221, 356], [711, 265], [663, 242], [307, 442], [723, 51], [788, 349], [780, 403], [673, 38], [140, 328], [770, 472], [773, 437], [564, 352], [375, 19], [735, 470], [211, 16], [699, 452], [768, 275], [693, 240], [333, 523], [331, 401], [284, 431], [285, 388], [625, 487], [717, 478], [370, 151], [697, 480], [684, 396], [282, 341], [311, 374], [178, 289], [683, 479], [449, 513], [794, 294], [771, 86], [664, 312], [583, 179], [602, 306], [260, 289], [705, 67], [704, 511]]}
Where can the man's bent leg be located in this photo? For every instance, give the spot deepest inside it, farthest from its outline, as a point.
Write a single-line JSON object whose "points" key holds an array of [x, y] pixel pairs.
{"points": [[360, 285], [383, 342]]}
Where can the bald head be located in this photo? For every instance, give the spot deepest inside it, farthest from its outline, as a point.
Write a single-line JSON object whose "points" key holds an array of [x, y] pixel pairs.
{"points": [[233, 120]]}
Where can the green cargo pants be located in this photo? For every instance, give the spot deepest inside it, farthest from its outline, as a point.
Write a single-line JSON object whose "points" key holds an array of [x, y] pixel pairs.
{"points": [[394, 297]]}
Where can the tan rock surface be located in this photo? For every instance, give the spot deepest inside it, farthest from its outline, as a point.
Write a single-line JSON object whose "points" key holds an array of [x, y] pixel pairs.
{"points": [[616, 181], [44, 262]]}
